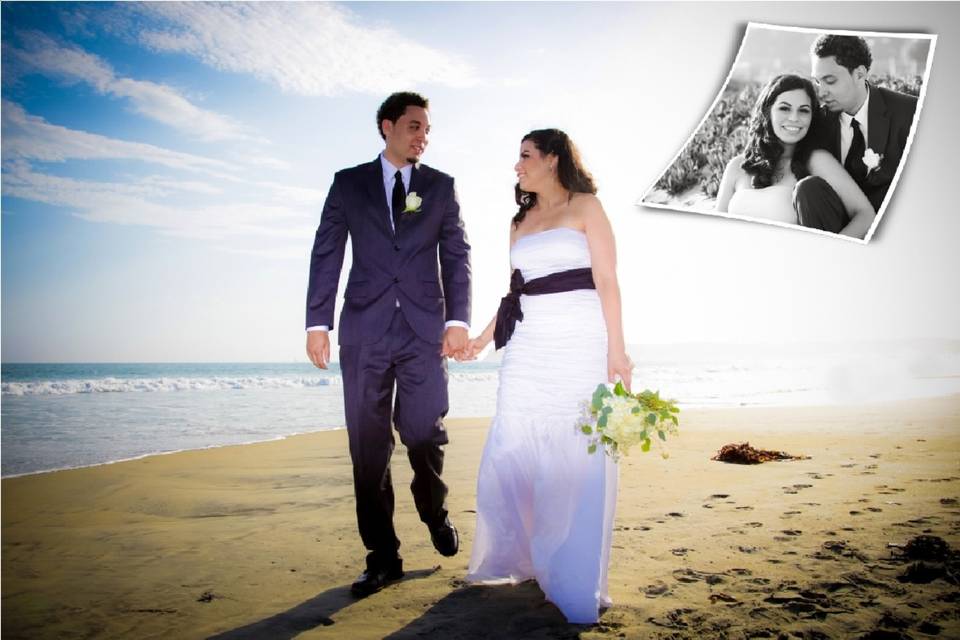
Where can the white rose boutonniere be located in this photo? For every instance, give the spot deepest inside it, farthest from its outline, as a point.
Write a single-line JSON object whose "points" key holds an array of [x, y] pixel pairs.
{"points": [[872, 159], [413, 203]]}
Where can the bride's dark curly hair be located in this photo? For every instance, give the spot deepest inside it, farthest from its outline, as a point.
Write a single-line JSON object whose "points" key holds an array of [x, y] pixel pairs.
{"points": [[764, 148], [573, 177]]}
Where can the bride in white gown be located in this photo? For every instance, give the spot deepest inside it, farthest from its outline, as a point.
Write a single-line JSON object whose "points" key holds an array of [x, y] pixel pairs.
{"points": [[544, 505]]}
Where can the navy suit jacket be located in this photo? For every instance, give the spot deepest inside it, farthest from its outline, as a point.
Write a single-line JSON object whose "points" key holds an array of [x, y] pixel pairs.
{"points": [[425, 265], [889, 119]]}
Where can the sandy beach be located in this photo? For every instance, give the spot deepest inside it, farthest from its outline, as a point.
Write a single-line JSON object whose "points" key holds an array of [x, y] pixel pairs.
{"points": [[259, 541]]}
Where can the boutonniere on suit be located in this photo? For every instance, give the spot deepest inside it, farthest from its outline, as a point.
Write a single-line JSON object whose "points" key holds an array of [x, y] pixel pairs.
{"points": [[872, 160], [412, 203]]}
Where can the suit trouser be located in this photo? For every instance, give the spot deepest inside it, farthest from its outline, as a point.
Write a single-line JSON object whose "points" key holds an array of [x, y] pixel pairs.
{"points": [[369, 372], [818, 206]]}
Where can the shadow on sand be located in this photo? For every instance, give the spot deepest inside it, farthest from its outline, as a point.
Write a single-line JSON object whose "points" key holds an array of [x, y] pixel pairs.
{"points": [[502, 612], [310, 614]]}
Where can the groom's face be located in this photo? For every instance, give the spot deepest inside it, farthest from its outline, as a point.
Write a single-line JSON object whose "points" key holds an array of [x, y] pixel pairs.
{"points": [[838, 88], [407, 138]]}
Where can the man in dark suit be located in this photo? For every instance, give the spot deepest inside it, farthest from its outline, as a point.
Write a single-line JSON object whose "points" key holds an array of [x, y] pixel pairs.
{"points": [[406, 307], [865, 128]]}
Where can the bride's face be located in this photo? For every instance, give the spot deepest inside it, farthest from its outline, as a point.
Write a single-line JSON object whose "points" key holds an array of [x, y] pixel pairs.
{"points": [[790, 116], [534, 170]]}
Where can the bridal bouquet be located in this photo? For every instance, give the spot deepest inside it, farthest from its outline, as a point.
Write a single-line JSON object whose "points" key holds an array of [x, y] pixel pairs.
{"points": [[616, 420]]}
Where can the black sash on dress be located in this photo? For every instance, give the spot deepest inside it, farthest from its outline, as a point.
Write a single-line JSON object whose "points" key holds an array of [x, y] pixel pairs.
{"points": [[510, 313]]}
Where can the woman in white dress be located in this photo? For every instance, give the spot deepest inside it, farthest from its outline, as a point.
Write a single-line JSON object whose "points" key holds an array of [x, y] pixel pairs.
{"points": [[781, 150], [544, 505]]}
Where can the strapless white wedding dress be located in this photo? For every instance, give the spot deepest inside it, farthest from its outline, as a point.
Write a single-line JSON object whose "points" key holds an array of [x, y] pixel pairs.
{"points": [[545, 506], [770, 203]]}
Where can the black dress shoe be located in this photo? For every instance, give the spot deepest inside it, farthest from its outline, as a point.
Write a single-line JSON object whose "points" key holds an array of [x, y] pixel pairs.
{"points": [[445, 538], [375, 579]]}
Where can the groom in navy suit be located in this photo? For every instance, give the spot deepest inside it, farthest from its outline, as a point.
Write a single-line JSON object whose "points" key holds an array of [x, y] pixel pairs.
{"points": [[406, 307], [865, 127]]}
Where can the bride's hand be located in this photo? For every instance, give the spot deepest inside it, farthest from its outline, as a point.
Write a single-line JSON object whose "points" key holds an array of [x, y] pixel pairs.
{"points": [[620, 366], [470, 351]]}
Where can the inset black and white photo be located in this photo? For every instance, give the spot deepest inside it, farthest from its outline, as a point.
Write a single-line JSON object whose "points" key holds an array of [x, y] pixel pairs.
{"points": [[811, 130]]}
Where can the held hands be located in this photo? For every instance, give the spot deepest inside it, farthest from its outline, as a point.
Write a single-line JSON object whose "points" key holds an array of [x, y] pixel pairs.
{"points": [[620, 366], [454, 341], [473, 347], [318, 348]]}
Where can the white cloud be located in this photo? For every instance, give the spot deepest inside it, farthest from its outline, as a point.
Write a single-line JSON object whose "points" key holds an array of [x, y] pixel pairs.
{"points": [[159, 102], [224, 204], [305, 48], [157, 205], [33, 138]]}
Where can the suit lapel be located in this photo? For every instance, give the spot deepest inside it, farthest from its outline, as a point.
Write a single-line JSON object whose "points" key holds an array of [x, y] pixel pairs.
{"points": [[878, 122], [378, 196]]}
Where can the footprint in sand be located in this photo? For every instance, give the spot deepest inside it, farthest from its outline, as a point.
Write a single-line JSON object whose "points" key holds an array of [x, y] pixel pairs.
{"points": [[719, 496], [792, 532], [692, 575], [676, 514], [948, 501], [855, 513], [874, 509], [657, 589], [679, 551], [747, 508], [789, 514], [754, 524], [743, 549], [847, 466], [815, 476]]}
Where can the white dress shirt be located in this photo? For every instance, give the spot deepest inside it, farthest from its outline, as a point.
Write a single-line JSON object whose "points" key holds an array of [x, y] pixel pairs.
{"points": [[389, 178], [846, 130]]}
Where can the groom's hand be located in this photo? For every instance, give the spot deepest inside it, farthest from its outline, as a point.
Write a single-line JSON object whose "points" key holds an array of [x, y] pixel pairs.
{"points": [[454, 340], [318, 348]]}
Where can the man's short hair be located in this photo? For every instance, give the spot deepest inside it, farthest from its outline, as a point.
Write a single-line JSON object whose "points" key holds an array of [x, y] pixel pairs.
{"points": [[394, 106], [850, 51]]}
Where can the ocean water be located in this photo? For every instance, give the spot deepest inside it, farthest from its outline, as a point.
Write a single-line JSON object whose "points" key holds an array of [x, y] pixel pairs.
{"points": [[56, 416]]}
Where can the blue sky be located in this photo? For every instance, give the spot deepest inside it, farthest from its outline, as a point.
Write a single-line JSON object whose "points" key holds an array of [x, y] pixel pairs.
{"points": [[165, 164]]}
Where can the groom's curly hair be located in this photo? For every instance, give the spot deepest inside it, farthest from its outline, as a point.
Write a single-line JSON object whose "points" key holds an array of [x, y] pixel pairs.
{"points": [[570, 170], [850, 51], [764, 148], [394, 106]]}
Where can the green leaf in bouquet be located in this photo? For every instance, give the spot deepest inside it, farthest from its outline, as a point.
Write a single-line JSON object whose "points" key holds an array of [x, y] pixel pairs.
{"points": [[620, 390], [646, 445], [602, 421], [651, 418], [675, 421], [587, 429], [662, 435], [636, 410], [599, 394], [592, 448], [606, 440]]}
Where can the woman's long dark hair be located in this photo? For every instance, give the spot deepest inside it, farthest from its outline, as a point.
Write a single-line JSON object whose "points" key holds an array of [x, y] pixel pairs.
{"points": [[764, 148], [573, 177]]}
